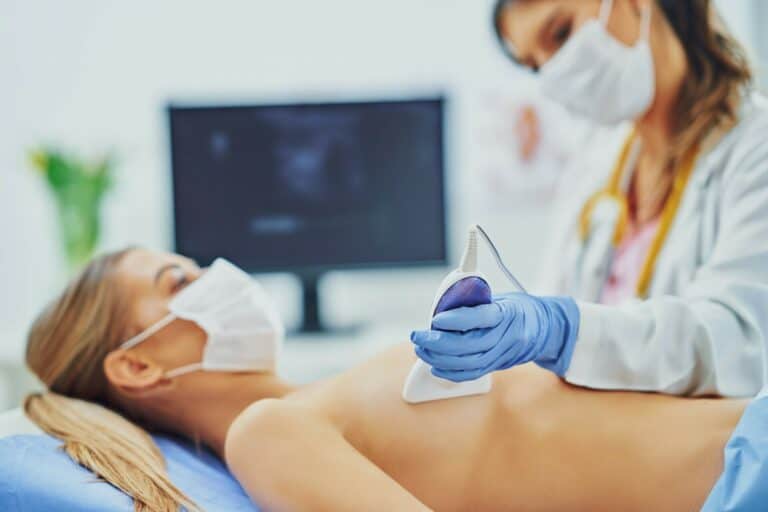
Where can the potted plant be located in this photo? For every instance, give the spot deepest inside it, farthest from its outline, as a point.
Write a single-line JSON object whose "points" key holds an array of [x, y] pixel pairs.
{"points": [[78, 187]]}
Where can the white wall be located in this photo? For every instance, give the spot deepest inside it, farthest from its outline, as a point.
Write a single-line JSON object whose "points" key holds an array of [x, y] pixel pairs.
{"points": [[748, 19], [96, 74], [760, 38]]}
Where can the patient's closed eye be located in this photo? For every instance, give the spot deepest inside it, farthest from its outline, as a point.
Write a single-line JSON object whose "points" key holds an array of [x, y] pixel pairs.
{"points": [[179, 280], [172, 278]]}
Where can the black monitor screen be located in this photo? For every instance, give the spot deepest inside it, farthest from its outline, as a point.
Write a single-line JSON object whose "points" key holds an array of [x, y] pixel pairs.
{"points": [[286, 187]]}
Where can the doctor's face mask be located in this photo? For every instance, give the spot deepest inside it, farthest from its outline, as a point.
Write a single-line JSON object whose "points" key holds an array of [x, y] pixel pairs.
{"points": [[244, 331], [594, 74]]}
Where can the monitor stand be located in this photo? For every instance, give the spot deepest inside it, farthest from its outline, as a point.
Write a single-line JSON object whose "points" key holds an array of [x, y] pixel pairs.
{"points": [[312, 322], [310, 293]]}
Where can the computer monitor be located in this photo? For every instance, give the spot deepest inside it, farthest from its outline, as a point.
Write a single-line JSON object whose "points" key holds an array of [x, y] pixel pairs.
{"points": [[311, 187]]}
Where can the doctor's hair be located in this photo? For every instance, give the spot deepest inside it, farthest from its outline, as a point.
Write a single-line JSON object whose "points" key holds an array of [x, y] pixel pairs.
{"points": [[719, 71], [66, 348]]}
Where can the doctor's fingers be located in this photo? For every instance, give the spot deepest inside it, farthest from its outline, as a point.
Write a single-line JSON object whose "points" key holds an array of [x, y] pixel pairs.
{"points": [[444, 362], [458, 375], [452, 343], [513, 356], [484, 316], [501, 353]]}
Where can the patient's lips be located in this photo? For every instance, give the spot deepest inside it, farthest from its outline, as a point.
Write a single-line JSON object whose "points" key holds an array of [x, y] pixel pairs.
{"points": [[468, 292]]}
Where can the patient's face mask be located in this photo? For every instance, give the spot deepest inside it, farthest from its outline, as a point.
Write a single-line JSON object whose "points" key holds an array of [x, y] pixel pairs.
{"points": [[596, 76], [244, 330]]}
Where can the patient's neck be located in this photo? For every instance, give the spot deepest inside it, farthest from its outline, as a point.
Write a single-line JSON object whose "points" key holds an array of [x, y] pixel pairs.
{"points": [[207, 414]]}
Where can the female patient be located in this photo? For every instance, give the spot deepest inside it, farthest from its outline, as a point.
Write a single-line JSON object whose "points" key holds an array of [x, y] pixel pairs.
{"points": [[349, 442]]}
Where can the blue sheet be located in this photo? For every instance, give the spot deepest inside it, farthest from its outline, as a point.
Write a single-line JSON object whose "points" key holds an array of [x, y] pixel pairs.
{"points": [[36, 476], [743, 486]]}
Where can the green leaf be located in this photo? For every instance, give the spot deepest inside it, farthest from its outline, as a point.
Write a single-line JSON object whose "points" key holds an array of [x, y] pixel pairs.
{"points": [[60, 172]]}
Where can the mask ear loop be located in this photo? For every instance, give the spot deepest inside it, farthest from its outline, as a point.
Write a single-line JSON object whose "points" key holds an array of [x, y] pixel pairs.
{"points": [[142, 336], [605, 12], [645, 23], [182, 370]]}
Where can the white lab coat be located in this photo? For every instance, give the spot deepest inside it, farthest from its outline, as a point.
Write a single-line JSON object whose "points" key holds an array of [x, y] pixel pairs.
{"points": [[703, 328]]}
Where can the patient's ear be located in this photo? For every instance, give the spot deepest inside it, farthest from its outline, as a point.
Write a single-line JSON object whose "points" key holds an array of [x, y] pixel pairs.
{"points": [[131, 372]]}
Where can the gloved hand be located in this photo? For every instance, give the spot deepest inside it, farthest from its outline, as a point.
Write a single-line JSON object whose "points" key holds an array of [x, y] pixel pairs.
{"points": [[516, 328]]}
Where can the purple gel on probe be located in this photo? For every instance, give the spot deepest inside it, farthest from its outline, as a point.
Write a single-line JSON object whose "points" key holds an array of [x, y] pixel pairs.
{"points": [[470, 291]]}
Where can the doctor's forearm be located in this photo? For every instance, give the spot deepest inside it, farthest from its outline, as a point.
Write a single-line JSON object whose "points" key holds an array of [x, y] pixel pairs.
{"points": [[669, 345]]}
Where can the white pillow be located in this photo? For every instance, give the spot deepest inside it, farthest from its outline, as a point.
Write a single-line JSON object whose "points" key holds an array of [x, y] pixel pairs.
{"points": [[15, 422]]}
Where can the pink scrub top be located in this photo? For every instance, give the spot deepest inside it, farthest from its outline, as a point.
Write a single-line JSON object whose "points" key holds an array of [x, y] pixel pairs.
{"points": [[627, 264]]}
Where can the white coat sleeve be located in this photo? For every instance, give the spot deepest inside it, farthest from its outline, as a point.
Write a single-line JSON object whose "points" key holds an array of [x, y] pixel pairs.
{"points": [[710, 340]]}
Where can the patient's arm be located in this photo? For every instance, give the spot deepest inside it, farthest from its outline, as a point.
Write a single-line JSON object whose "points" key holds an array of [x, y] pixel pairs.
{"points": [[288, 458]]}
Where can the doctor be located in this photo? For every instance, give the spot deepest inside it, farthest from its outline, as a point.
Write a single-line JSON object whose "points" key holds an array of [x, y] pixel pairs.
{"points": [[661, 259]]}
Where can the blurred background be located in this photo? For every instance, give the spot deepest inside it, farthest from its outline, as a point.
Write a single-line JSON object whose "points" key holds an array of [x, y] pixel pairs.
{"points": [[359, 141]]}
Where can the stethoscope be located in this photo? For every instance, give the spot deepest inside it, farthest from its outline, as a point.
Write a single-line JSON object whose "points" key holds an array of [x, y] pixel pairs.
{"points": [[615, 192]]}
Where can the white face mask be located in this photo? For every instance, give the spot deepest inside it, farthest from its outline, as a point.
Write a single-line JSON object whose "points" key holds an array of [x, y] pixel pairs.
{"points": [[244, 331], [598, 77]]}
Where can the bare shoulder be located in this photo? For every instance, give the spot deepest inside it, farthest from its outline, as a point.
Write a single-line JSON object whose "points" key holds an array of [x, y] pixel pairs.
{"points": [[264, 421]]}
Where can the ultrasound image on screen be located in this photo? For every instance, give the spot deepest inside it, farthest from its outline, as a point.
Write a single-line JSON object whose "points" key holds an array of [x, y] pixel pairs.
{"points": [[286, 187], [318, 157]]}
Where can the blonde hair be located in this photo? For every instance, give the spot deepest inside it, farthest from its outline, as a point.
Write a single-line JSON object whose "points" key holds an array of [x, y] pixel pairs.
{"points": [[66, 348]]}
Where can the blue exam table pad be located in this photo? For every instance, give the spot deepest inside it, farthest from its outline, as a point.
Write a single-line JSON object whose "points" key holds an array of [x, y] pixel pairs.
{"points": [[37, 476]]}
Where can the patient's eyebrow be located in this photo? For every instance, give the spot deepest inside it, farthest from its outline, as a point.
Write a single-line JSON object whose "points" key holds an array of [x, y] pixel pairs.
{"points": [[164, 268]]}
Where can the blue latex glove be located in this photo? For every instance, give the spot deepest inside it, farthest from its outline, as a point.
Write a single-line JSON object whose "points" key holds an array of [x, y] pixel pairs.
{"points": [[467, 343]]}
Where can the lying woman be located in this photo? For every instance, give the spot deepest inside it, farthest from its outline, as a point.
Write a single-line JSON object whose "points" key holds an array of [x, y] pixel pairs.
{"points": [[348, 442]]}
